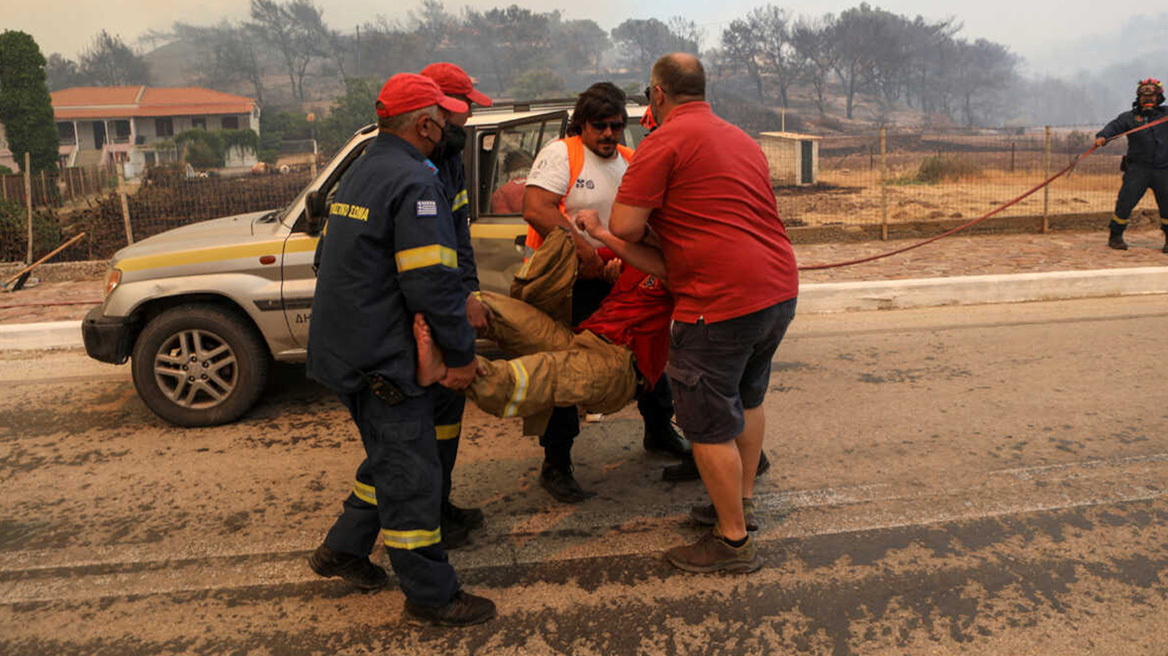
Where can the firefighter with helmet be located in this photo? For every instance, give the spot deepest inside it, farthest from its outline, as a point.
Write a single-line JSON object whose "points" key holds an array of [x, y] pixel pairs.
{"points": [[1146, 162]]}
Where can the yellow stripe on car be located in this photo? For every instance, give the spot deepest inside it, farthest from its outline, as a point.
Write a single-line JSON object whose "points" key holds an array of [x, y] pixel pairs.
{"points": [[424, 256], [218, 253], [497, 230], [301, 243]]}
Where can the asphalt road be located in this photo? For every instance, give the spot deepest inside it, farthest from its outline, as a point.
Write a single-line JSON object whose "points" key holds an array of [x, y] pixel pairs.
{"points": [[974, 480]]}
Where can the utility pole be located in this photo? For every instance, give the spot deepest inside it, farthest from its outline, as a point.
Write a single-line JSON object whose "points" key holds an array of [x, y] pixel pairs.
{"points": [[28, 203]]}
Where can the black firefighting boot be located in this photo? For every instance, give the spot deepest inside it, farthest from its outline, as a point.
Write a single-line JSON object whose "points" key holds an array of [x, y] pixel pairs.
{"points": [[1116, 240]]}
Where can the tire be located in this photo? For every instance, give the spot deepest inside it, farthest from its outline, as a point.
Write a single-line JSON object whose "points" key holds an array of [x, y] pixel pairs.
{"points": [[200, 365]]}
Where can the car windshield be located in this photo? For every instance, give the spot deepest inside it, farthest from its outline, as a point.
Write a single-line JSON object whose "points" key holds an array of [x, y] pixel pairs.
{"points": [[291, 213]]}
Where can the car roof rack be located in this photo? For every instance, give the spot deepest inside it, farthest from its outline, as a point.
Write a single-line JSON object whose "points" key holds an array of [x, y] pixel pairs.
{"points": [[541, 103]]}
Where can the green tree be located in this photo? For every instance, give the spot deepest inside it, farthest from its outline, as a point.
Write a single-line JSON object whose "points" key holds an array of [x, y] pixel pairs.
{"points": [[432, 25], [108, 61], [349, 112], [46, 232], [582, 44], [642, 41], [26, 109], [62, 73], [227, 53], [536, 83], [209, 149], [985, 73], [294, 30], [740, 46], [504, 42], [275, 127], [814, 55], [858, 36]]}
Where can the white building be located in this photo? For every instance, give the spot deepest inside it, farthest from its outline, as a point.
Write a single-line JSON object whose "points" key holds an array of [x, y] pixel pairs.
{"points": [[793, 157], [100, 125]]}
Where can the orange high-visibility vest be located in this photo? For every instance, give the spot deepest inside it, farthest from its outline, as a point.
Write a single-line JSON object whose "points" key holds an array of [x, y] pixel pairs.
{"points": [[575, 166]]}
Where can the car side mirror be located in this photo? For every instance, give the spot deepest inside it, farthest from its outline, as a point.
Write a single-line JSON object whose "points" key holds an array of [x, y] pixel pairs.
{"points": [[316, 211]]}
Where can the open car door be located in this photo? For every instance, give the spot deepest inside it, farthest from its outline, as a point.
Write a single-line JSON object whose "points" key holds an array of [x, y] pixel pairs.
{"points": [[497, 168]]}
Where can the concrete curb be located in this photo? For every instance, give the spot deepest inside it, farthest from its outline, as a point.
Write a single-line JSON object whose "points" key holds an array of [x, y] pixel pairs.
{"points": [[46, 335], [818, 298], [979, 290]]}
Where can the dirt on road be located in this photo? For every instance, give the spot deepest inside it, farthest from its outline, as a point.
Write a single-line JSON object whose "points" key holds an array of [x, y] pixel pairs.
{"points": [[975, 481]]}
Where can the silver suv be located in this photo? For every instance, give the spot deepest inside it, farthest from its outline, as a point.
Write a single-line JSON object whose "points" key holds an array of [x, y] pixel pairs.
{"points": [[202, 310]]}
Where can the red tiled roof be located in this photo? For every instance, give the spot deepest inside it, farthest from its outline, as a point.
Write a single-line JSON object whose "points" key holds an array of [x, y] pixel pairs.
{"points": [[125, 102]]}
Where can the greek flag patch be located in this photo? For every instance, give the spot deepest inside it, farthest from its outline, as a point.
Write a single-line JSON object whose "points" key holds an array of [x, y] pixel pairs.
{"points": [[427, 208]]}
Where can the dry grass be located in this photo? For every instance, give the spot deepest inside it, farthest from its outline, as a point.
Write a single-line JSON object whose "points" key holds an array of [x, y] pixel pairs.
{"points": [[964, 185]]}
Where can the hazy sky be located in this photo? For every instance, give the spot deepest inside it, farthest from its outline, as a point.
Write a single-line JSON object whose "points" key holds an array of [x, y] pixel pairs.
{"points": [[1029, 28]]}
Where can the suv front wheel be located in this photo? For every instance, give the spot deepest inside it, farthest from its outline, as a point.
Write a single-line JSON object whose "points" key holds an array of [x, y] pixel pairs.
{"points": [[199, 365]]}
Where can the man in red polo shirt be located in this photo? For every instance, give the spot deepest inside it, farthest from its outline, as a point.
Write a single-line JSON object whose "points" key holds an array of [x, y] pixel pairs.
{"points": [[700, 188]]}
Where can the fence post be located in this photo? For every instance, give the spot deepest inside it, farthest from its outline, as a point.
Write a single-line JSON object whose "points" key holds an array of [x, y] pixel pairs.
{"points": [[1046, 189], [28, 203], [884, 183], [125, 207]]}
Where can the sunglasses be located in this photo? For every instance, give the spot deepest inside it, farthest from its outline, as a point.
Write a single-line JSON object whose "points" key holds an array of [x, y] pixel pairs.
{"points": [[601, 126]]}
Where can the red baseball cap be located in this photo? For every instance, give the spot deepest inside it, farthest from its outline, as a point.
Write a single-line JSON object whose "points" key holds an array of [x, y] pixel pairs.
{"points": [[456, 82], [406, 92]]}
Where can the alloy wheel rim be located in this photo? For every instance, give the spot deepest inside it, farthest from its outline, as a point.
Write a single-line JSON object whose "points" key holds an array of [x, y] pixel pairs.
{"points": [[196, 369]]}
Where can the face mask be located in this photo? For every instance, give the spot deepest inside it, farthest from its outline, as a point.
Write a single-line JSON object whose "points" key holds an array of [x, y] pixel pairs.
{"points": [[452, 142], [439, 145]]}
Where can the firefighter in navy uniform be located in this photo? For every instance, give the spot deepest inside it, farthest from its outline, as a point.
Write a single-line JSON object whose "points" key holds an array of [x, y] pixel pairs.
{"points": [[453, 80], [1146, 162], [390, 251]]}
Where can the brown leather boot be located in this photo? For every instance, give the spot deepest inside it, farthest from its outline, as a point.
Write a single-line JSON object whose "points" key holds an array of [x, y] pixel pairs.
{"points": [[463, 610], [712, 554]]}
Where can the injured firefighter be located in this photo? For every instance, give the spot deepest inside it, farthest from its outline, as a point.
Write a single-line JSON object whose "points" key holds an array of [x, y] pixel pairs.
{"points": [[616, 353]]}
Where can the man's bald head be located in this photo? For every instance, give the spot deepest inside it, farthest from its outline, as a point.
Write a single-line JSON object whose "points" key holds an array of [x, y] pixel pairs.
{"points": [[681, 76]]}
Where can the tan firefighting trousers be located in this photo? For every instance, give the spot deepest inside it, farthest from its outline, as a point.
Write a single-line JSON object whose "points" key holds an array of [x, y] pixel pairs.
{"points": [[552, 366], [556, 367]]}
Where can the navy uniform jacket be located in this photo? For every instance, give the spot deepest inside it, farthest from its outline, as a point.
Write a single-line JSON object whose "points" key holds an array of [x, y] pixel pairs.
{"points": [[1146, 147], [453, 177], [390, 251]]}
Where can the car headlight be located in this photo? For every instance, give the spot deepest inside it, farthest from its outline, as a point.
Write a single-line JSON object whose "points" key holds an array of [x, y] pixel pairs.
{"points": [[112, 278]]}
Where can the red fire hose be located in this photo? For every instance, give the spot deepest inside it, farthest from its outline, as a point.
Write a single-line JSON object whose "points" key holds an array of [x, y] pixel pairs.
{"points": [[1065, 169], [833, 265]]}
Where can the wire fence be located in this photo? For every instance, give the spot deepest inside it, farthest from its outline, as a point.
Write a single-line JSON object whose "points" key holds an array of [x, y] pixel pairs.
{"points": [[911, 176], [881, 178], [115, 213], [58, 189]]}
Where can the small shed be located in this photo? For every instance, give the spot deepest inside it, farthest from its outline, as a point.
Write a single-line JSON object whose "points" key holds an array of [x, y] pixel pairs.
{"points": [[793, 157]]}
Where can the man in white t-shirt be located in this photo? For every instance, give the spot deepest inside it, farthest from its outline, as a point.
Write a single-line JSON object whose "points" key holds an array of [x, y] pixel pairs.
{"points": [[584, 171]]}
